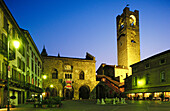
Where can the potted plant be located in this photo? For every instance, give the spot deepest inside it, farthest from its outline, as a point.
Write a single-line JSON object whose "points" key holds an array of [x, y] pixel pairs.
{"points": [[44, 103], [58, 101]]}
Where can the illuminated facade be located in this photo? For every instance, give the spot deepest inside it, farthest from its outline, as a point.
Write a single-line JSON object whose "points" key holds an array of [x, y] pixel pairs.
{"points": [[23, 82], [71, 78], [150, 77], [128, 40]]}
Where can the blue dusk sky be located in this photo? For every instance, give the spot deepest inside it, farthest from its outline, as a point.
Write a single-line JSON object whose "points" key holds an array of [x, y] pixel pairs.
{"points": [[74, 27]]}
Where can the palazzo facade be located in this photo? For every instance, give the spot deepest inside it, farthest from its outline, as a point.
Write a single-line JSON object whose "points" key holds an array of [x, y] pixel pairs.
{"points": [[71, 78]]}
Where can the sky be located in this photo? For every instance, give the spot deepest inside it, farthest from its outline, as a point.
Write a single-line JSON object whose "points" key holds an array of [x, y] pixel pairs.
{"points": [[74, 27]]}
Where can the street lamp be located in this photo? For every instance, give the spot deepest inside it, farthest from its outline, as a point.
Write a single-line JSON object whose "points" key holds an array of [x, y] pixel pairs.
{"points": [[51, 85], [44, 77], [16, 45]]}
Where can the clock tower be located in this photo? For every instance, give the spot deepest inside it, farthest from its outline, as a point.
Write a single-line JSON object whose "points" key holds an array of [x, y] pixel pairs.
{"points": [[128, 40]]}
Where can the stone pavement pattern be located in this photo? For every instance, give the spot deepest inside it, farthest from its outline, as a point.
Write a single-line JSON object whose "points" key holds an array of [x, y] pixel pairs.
{"points": [[90, 105]]}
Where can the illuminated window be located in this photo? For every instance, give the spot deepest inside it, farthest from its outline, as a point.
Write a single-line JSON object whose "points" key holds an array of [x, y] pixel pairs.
{"points": [[132, 20], [81, 75], [162, 74]]}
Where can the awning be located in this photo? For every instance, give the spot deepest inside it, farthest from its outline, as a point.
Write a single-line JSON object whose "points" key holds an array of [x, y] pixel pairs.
{"points": [[150, 90]]}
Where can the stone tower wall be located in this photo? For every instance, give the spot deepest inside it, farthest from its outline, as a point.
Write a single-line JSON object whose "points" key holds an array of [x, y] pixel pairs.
{"points": [[128, 40]]}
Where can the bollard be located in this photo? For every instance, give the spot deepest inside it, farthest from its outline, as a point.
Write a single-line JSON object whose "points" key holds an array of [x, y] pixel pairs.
{"points": [[98, 101], [102, 101], [114, 101], [121, 101], [124, 102]]}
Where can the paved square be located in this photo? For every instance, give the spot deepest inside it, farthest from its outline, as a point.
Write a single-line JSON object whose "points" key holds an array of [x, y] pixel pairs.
{"points": [[90, 105]]}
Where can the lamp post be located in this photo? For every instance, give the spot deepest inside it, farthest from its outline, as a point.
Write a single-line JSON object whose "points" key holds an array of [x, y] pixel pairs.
{"points": [[16, 45], [44, 77]]}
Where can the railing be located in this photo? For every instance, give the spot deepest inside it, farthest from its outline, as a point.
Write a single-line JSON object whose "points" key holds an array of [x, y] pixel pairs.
{"points": [[15, 82]]}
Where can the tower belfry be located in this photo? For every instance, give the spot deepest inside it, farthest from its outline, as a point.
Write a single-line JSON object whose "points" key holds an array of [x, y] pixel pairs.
{"points": [[128, 40]]}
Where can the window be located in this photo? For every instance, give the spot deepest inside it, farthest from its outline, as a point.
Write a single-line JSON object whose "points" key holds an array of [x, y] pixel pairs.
{"points": [[4, 42], [13, 30], [147, 65], [19, 63], [121, 26], [35, 69], [28, 77], [23, 66], [55, 74], [133, 41], [28, 61], [162, 61], [14, 74], [162, 76], [132, 20], [81, 75], [120, 43], [5, 24], [28, 48], [35, 81], [135, 81], [19, 76], [4, 69], [147, 79], [32, 65], [132, 24], [68, 76]]}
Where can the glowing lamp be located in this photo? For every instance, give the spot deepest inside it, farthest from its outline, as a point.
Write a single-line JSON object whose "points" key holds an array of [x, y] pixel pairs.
{"points": [[44, 77], [51, 86], [140, 82], [16, 43], [43, 93]]}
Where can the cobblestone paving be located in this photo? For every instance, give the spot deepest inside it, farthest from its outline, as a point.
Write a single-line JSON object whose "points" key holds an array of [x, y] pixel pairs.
{"points": [[90, 105]]}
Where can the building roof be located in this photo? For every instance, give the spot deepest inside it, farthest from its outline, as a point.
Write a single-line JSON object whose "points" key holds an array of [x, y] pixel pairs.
{"points": [[152, 57], [112, 66], [30, 38], [60, 57], [116, 83]]}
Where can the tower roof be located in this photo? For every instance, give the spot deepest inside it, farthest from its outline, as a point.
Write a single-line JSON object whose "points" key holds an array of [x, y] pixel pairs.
{"points": [[44, 52]]}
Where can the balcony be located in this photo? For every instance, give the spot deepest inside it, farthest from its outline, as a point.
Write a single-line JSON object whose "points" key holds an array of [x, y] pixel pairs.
{"points": [[15, 82], [3, 50]]}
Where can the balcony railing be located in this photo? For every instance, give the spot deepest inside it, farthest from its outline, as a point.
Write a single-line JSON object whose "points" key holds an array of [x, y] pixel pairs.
{"points": [[16, 82]]}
